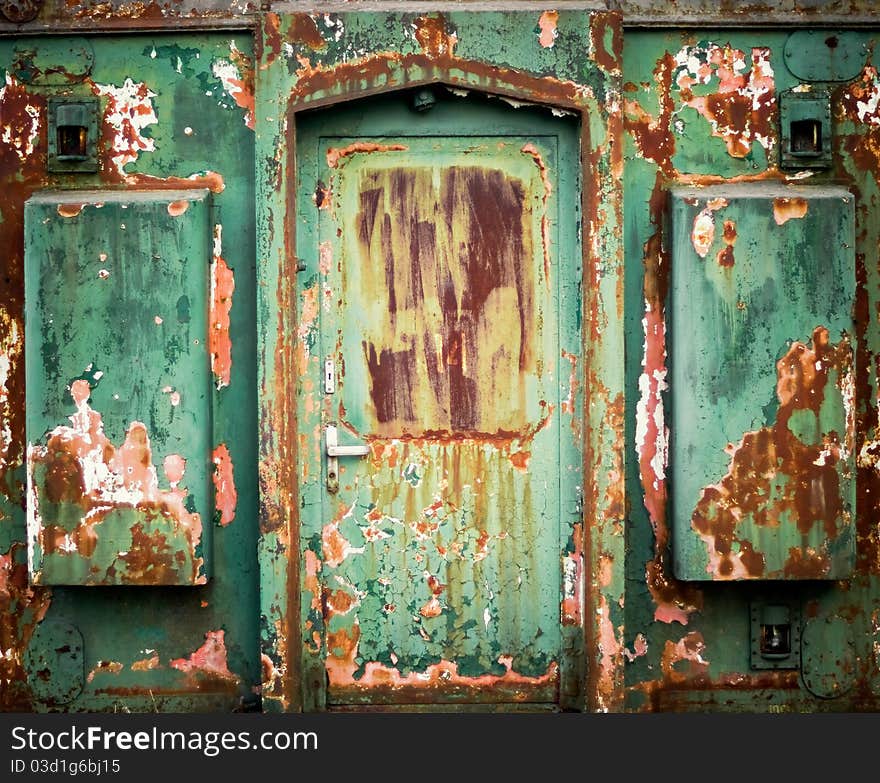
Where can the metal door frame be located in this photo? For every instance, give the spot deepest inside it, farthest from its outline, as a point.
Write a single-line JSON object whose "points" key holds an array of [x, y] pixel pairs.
{"points": [[287, 685]]}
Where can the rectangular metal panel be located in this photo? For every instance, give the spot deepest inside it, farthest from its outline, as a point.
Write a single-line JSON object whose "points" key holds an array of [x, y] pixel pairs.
{"points": [[761, 463], [118, 387]]}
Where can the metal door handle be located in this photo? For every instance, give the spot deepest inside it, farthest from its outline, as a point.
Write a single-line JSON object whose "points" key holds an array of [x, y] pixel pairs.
{"points": [[334, 450]]}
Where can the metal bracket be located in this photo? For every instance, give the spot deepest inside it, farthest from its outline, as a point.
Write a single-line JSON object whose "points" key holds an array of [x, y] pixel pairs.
{"points": [[334, 451]]}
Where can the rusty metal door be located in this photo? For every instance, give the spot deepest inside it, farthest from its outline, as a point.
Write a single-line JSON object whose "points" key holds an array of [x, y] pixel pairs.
{"points": [[439, 490]]}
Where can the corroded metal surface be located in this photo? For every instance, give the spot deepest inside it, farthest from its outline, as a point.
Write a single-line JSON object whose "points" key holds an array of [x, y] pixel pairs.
{"points": [[161, 103], [763, 283], [444, 386], [98, 512]]}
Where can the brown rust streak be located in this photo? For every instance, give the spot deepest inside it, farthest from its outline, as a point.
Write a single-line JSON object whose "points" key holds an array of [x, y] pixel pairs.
{"points": [[479, 215], [22, 607], [653, 136], [762, 456], [335, 154], [785, 209], [317, 80], [862, 147]]}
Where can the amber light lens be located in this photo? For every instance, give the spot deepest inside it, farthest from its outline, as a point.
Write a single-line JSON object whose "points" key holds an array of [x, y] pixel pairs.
{"points": [[71, 141]]}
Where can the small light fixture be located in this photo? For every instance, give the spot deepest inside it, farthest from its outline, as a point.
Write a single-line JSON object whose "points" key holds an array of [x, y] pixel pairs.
{"points": [[73, 134], [424, 99]]}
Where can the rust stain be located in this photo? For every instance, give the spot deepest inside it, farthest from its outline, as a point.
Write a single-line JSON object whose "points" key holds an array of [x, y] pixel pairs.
{"points": [[689, 650], [435, 36], [222, 288], [22, 608], [334, 546], [804, 476], [304, 29], [175, 208], [457, 344], [335, 154], [338, 602], [237, 77], [83, 468], [652, 135], [572, 584], [640, 648], [225, 494], [342, 665], [10, 353], [674, 601], [600, 23], [271, 38], [209, 660], [742, 110], [860, 102], [547, 26], [785, 209], [610, 651], [725, 255], [104, 667], [145, 664]]}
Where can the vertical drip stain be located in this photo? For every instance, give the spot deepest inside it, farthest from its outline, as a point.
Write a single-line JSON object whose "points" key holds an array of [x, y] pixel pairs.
{"points": [[454, 268]]}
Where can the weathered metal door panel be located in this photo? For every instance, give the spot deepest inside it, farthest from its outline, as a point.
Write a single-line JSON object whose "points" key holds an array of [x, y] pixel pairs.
{"points": [[118, 387], [437, 553], [762, 452]]}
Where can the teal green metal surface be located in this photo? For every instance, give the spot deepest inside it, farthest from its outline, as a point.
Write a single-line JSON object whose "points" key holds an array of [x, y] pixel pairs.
{"points": [[118, 387], [762, 462]]}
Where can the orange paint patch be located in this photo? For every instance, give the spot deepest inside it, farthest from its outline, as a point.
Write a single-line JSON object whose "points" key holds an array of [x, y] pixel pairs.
{"points": [[520, 460], [83, 467], [174, 467], [209, 659], [335, 154], [547, 26], [432, 608], [785, 209], [176, 208], [434, 36], [104, 667], [225, 495], [219, 341]]}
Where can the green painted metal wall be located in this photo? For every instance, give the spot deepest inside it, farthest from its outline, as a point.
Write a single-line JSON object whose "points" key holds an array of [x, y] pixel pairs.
{"points": [[657, 109], [702, 112], [174, 117]]}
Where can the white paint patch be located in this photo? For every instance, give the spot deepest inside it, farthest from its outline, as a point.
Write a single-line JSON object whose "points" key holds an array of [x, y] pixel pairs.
{"points": [[129, 113], [867, 109], [20, 138]]}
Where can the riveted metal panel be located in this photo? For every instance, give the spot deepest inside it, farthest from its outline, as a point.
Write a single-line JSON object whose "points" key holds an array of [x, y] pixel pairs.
{"points": [[762, 459], [118, 387]]}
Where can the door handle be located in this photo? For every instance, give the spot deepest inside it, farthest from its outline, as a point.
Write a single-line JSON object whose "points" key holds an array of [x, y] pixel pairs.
{"points": [[334, 450]]}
